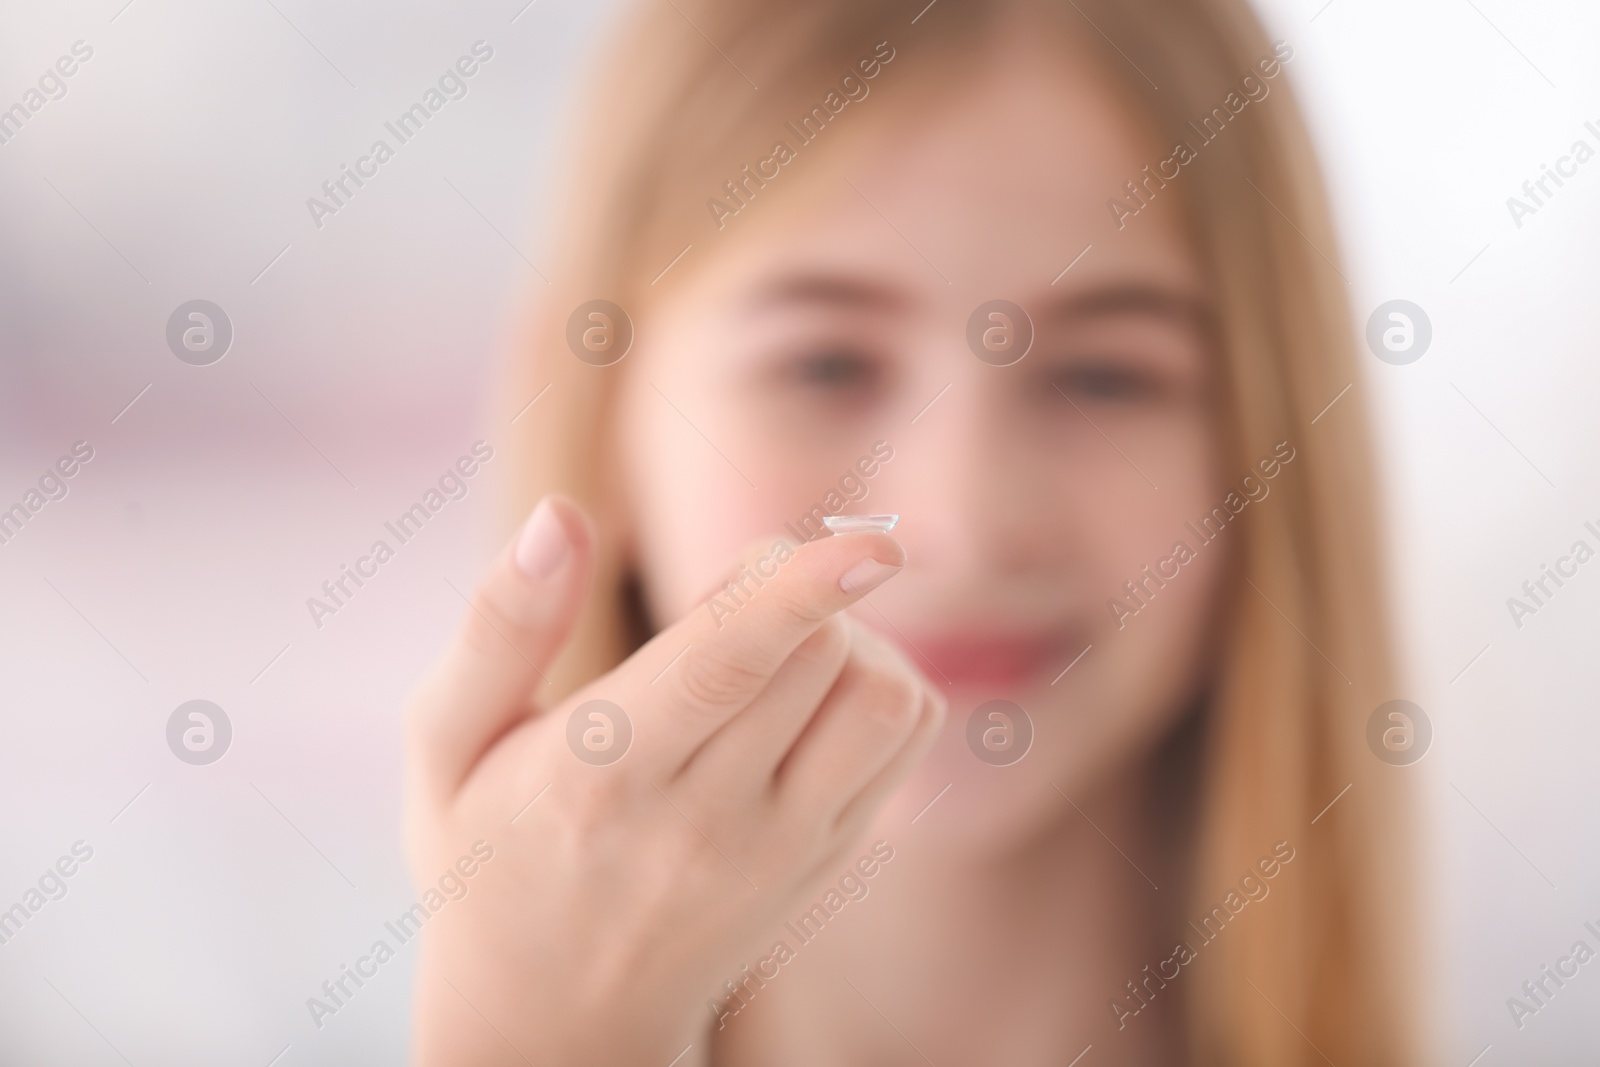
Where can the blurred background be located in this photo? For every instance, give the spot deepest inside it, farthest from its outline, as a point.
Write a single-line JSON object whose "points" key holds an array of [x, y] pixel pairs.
{"points": [[174, 164]]}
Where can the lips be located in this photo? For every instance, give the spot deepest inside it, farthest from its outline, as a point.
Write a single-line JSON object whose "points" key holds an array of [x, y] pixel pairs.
{"points": [[983, 660]]}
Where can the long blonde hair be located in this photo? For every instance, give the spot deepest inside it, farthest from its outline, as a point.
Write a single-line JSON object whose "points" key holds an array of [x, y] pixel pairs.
{"points": [[1324, 972]]}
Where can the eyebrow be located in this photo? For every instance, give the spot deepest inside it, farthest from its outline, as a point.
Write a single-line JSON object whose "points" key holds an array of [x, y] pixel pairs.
{"points": [[1130, 298], [830, 290]]}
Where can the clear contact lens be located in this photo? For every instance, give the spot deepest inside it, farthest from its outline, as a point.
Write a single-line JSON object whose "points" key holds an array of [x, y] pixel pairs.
{"points": [[859, 523]]}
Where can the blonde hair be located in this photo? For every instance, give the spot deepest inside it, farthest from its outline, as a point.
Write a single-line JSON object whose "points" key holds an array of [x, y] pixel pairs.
{"points": [[1323, 972]]}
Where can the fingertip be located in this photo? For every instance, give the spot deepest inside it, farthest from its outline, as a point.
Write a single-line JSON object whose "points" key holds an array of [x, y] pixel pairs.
{"points": [[878, 544], [554, 532], [865, 559], [865, 576], [543, 544]]}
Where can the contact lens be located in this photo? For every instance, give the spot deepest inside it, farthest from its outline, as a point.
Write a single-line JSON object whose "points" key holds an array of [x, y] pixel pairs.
{"points": [[859, 523]]}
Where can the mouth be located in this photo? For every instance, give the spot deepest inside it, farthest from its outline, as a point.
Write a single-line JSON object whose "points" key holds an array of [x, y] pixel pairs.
{"points": [[989, 662]]}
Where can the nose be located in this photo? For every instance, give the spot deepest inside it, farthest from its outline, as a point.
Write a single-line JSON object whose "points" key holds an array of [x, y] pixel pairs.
{"points": [[973, 500]]}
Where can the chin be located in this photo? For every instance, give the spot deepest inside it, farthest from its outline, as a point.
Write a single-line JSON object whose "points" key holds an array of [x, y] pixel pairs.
{"points": [[1087, 732], [989, 806]]}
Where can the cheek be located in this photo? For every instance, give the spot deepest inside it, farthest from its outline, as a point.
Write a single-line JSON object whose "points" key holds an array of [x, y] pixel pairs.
{"points": [[685, 514], [1151, 670], [1151, 649], [704, 481], [1132, 504], [1158, 538]]}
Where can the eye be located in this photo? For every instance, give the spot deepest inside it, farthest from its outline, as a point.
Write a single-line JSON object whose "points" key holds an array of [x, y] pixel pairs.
{"points": [[1104, 382], [835, 368]]}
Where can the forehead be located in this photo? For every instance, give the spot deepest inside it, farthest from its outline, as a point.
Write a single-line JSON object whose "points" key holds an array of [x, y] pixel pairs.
{"points": [[988, 186]]}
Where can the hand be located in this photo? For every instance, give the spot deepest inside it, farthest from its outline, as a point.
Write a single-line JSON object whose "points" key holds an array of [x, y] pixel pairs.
{"points": [[617, 903]]}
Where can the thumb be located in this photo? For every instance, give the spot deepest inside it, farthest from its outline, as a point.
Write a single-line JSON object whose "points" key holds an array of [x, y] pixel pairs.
{"points": [[517, 619]]}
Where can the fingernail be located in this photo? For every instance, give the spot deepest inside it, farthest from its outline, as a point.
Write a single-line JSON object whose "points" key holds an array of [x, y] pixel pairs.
{"points": [[866, 576], [543, 545]]}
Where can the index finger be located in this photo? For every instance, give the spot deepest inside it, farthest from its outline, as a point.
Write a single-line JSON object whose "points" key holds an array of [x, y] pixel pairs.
{"points": [[728, 650]]}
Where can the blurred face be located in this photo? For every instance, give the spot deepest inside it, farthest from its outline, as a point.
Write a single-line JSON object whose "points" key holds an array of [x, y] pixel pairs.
{"points": [[814, 358]]}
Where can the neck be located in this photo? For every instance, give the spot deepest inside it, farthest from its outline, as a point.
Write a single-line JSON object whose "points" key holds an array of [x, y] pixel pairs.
{"points": [[1025, 942]]}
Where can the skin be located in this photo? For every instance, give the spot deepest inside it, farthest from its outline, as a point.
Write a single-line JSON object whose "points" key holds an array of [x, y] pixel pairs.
{"points": [[1006, 919]]}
